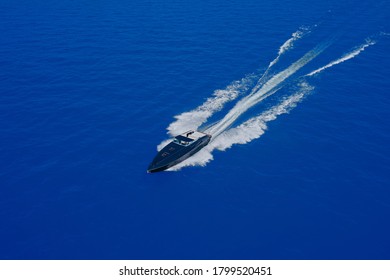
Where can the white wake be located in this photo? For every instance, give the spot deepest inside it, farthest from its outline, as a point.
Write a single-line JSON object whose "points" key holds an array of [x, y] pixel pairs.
{"points": [[195, 118], [224, 137], [256, 126], [345, 57], [284, 48], [290, 43], [246, 132], [270, 87]]}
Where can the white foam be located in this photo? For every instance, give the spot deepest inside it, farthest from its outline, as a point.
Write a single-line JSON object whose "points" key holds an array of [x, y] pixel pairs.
{"points": [[345, 57], [289, 44], [270, 87], [218, 130], [223, 137], [195, 118], [251, 129], [256, 126], [286, 46]]}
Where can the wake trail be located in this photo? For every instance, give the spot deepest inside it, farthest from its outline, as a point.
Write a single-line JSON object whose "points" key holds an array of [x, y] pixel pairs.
{"points": [[286, 46], [195, 118], [256, 126], [345, 57], [270, 87], [290, 43], [246, 132]]}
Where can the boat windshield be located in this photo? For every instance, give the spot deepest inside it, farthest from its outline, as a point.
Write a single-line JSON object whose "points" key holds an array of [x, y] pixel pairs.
{"points": [[182, 141]]}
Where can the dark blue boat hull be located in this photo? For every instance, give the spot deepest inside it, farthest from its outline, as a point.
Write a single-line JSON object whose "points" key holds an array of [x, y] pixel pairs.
{"points": [[181, 153]]}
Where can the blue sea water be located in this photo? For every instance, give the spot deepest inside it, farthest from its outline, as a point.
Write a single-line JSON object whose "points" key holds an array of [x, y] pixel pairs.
{"points": [[89, 88]]}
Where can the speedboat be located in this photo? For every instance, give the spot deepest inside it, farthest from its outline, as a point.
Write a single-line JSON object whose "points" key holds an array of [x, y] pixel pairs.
{"points": [[182, 147]]}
